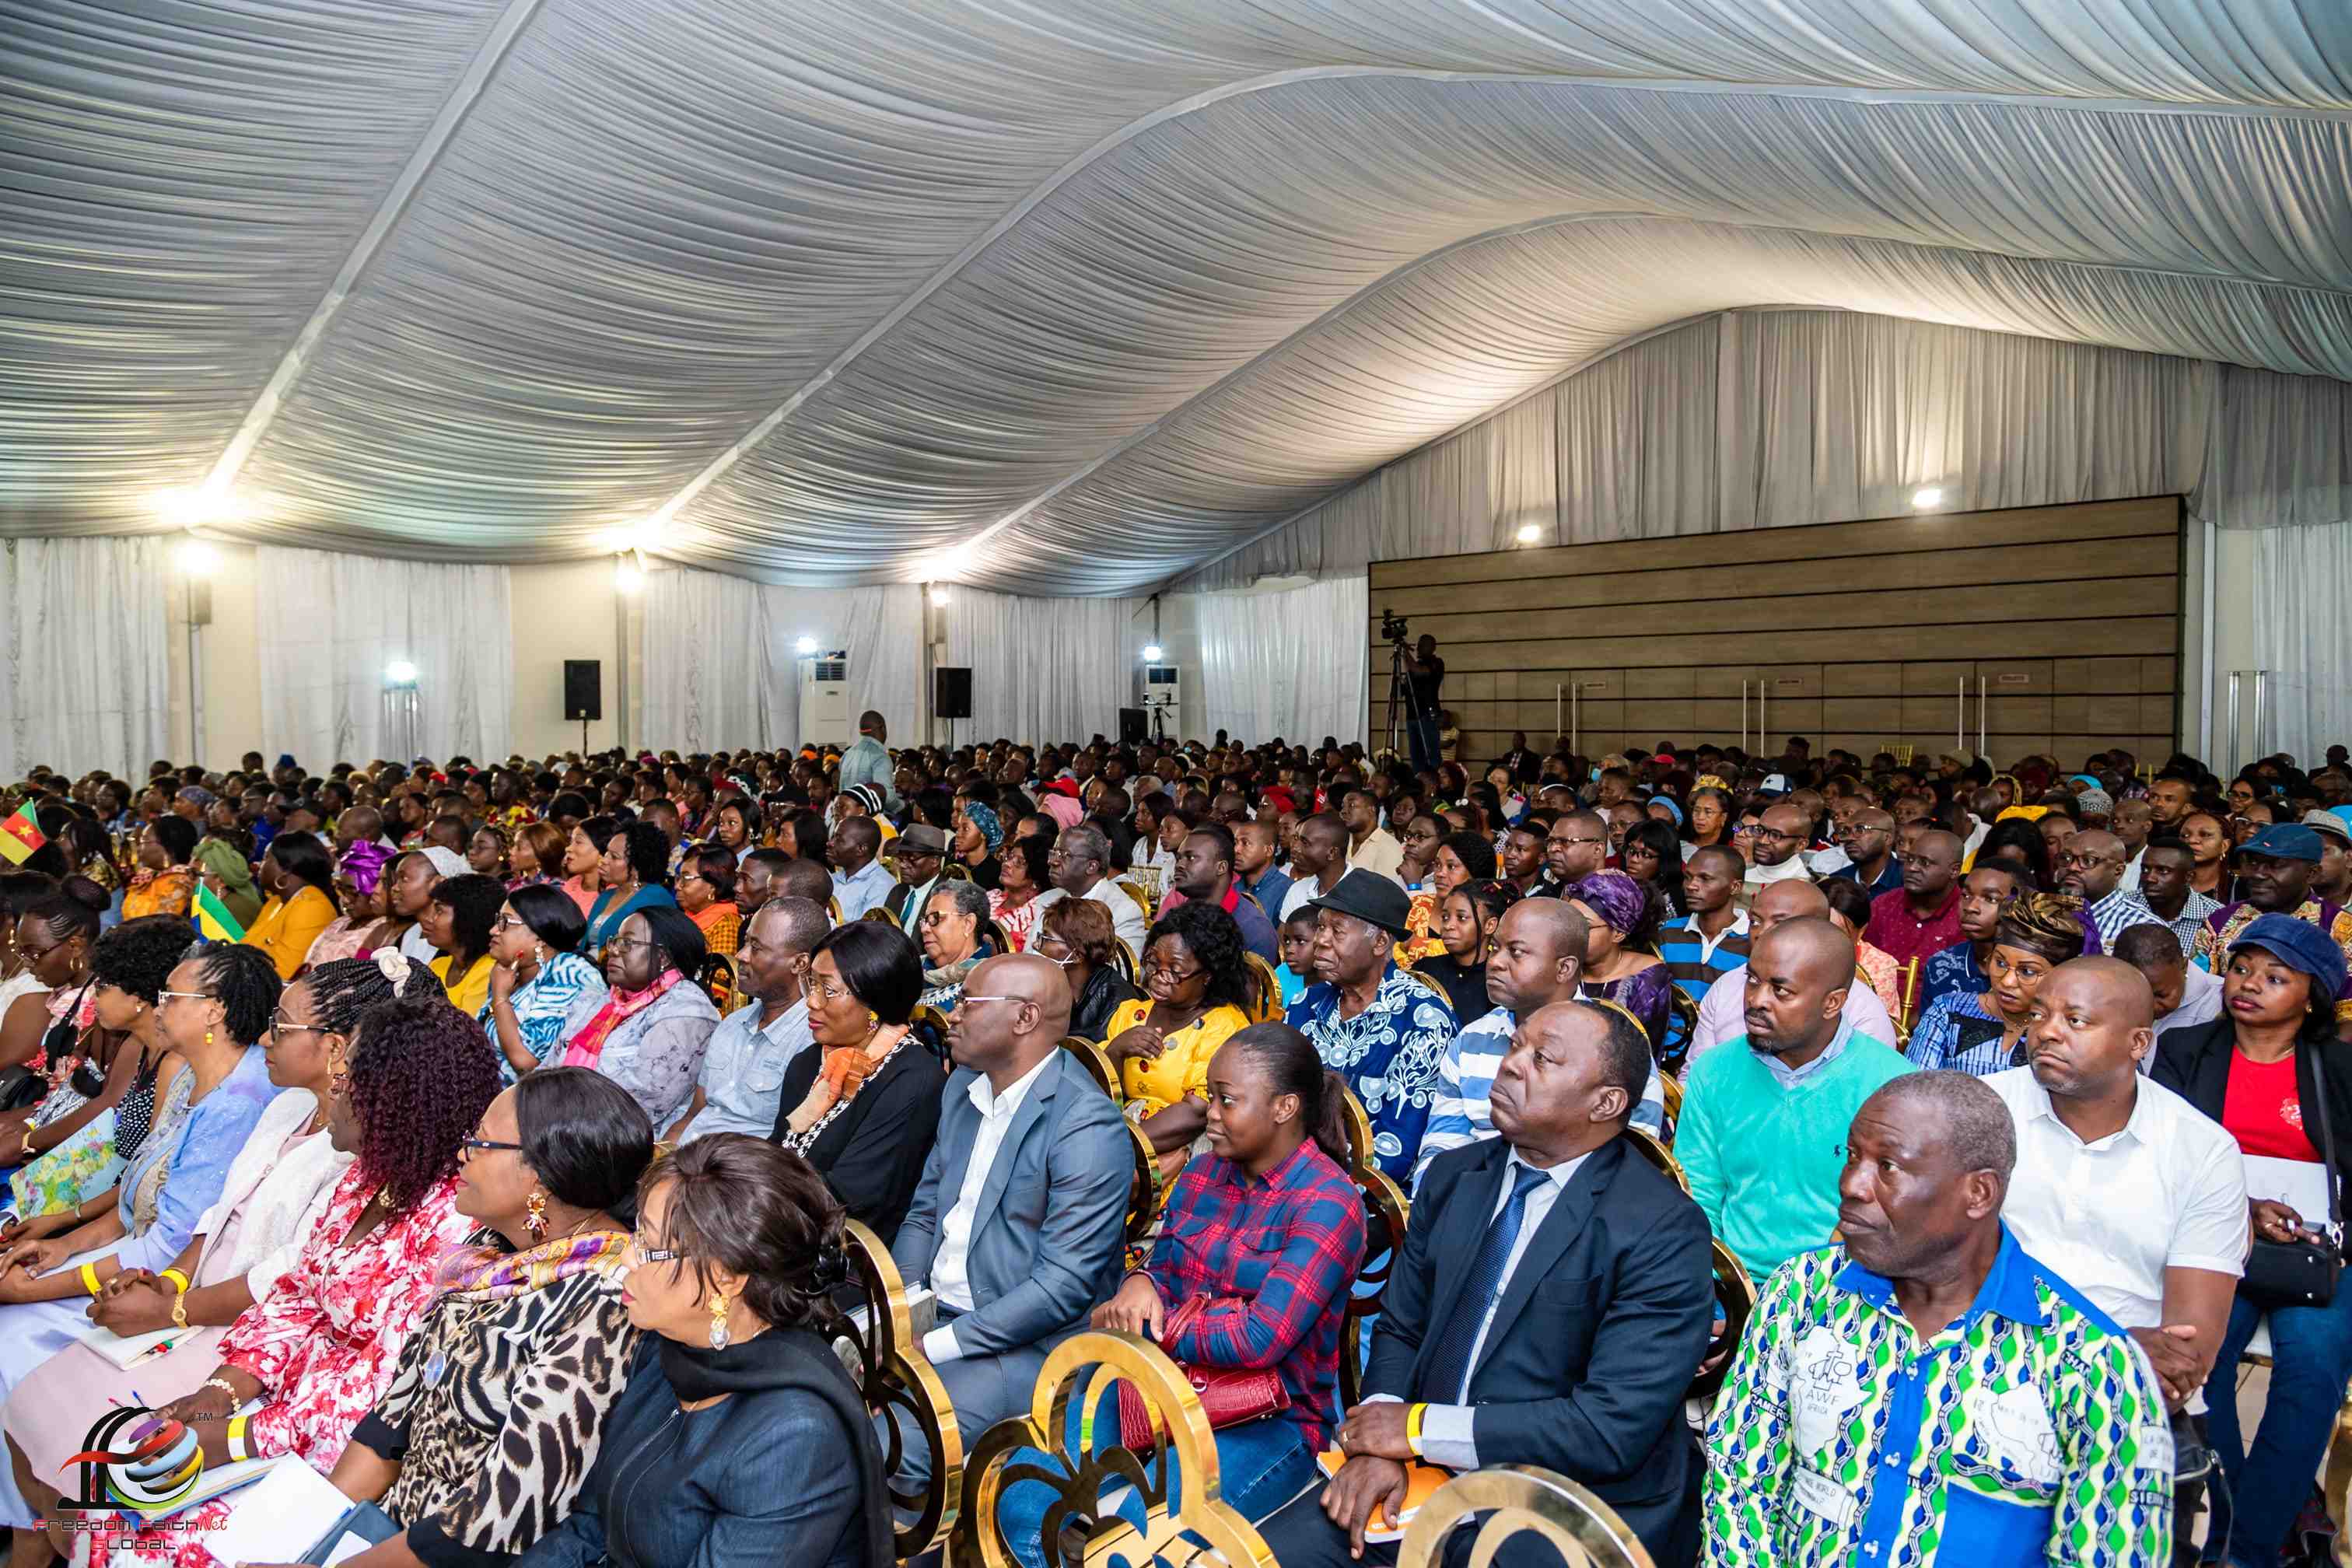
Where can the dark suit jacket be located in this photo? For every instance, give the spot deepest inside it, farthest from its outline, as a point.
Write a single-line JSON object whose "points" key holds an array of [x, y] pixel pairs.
{"points": [[1599, 1332], [1049, 1241], [895, 900]]}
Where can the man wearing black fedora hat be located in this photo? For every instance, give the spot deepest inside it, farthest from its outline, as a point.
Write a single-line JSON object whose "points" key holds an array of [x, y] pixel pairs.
{"points": [[1373, 1023], [922, 855]]}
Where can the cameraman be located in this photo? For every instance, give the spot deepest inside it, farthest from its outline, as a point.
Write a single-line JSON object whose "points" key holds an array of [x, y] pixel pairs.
{"points": [[1425, 672]]}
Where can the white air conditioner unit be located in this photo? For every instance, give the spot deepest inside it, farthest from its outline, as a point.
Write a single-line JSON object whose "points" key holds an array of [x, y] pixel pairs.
{"points": [[1158, 686], [826, 718]]}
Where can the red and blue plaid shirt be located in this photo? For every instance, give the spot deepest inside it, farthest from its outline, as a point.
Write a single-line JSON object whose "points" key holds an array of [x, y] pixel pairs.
{"points": [[1290, 1247]]}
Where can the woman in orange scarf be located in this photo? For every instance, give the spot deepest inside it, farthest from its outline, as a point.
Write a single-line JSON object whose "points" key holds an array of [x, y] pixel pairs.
{"points": [[164, 881]]}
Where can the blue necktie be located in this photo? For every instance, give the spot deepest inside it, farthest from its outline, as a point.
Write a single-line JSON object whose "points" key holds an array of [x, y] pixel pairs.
{"points": [[1449, 1363]]}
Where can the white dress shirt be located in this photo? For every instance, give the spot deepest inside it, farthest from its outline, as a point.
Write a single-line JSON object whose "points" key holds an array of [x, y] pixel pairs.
{"points": [[1448, 1431], [2169, 1190], [1126, 915], [1723, 1014], [949, 1281]]}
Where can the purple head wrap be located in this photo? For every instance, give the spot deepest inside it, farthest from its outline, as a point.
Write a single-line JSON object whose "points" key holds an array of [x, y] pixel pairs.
{"points": [[1614, 897], [363, 864]]}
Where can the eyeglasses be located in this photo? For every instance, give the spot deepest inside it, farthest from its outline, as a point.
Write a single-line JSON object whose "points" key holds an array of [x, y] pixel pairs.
{"points": [[184, 996], [506, 922], [629, 944], [280, 1025], [1576, 841], [969, 997], [821, 992], [1173, 976], [486, 1145], [34, 954], [640, 1254]]}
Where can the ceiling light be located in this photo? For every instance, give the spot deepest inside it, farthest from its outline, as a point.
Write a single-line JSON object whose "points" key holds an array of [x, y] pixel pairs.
{"points": [[627, 576], [400, 672], [1529, 533], [806, 645], [1926, 496], [198, 559], [1151, 655], [939, 596], [196, 505]]}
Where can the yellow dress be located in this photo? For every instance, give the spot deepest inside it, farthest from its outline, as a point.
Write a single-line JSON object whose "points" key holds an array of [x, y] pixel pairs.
{"points": [[1179, 1071], [470, 990], [286, 928]]}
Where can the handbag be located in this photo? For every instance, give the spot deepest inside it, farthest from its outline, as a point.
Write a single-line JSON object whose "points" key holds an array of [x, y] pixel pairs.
{"points": [[2303, 1272], [1229, 1396]]}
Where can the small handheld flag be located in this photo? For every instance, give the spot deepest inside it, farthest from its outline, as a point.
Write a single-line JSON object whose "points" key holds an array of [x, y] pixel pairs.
{"points": [[213, 919], [20, 835]]}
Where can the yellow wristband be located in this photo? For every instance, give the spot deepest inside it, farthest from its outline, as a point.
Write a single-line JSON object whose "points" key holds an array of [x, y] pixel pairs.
{"points": [[1413, 1427], [236, 1438], [179, 1280], [89, 1277]]}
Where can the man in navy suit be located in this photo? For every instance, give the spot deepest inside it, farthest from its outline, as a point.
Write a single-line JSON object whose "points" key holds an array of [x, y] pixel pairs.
{"points": [[1549, 1307]]}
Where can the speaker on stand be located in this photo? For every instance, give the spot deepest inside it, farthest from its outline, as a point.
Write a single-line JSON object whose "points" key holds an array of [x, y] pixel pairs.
{"points": [[951, 695], [583, 694]]}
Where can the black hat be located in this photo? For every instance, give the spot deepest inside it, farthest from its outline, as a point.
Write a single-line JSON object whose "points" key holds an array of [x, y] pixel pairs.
{"points": [[1371, 897]]}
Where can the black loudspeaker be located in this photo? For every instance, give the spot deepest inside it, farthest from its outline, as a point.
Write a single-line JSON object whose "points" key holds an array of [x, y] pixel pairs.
{"points": [[951, 692], [583, 688], [1133, 729]]}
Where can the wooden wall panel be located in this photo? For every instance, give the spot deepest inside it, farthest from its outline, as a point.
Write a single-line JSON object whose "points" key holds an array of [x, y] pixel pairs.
{"points": [[1856, 635]]}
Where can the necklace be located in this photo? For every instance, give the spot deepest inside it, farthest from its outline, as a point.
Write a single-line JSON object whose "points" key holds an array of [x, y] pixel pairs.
{"points": [[802, 1142]]}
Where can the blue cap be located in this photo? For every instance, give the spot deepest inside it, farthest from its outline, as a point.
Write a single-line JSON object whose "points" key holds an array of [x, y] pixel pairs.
{"points": [[2300, 945], [2284, 841]]}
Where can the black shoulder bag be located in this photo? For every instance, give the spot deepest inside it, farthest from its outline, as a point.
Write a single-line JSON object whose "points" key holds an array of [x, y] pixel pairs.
{"points": [[2303, 1272]]}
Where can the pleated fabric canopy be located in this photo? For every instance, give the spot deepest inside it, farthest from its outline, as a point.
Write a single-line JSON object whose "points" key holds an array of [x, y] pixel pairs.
{"points": [[1061, 297]]}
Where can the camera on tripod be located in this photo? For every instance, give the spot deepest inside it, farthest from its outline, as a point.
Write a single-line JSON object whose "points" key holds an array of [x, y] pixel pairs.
{"points": [[1392, 626]]}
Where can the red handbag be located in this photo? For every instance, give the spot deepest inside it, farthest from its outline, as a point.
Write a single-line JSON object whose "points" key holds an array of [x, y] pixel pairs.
{"points": [[1229, 1396]]}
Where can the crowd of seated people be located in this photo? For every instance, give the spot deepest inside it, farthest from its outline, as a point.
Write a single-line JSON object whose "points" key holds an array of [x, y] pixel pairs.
{"points": [[490, 1137]]}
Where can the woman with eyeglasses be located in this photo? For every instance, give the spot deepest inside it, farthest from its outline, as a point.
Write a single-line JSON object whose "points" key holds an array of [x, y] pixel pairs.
{"points": [[863, 1106], [954, 931], [252, 1235], [316, 1354], [1196, 998], [542, 992], [217, 1005], [1024, 890], [740, 1441], [1077, 934], [706, 892], [650, 1035]]}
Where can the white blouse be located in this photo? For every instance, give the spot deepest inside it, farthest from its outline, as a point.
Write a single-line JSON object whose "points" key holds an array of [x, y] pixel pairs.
{"points": [[278, 1186]]}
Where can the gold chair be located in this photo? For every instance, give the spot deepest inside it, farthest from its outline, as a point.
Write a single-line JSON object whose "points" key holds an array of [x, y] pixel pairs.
{"points": [[956, 871], [1735, 1296], [1098, 1063], [1122, 958], [879, 914], [1646, 1145], [1266, 999], [1520, 1499], [1143, 1190], [1386, 1214], [900, 1390], [1080, 1371], [833, 910], [1672, 1088], [1140, 894]]}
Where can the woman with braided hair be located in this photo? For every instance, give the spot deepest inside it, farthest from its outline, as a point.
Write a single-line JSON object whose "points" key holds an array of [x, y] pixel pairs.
{"points": [[1195, 999], [1983, 1032], [306, 1363], [253, 1233]]}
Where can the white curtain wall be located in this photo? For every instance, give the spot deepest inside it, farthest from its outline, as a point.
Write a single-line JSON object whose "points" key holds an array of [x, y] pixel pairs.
{"points": [[2303, 638], [329, 624], [1288, 664], [1043, 669], [88, 678]]}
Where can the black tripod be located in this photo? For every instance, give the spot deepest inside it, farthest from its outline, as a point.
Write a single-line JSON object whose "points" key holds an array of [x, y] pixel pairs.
{"points": [[1404, 705]]}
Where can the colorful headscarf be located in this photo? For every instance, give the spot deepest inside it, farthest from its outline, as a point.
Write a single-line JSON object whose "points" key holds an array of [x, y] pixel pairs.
{"points": [[985, 817], [486, 1274], [363, 865], [587, 1046], [227, 862], [1063, 809], [1614, 897]]}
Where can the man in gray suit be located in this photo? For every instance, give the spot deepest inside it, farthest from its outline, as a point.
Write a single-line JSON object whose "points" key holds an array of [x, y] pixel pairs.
{"points": [[1020, 1224]]}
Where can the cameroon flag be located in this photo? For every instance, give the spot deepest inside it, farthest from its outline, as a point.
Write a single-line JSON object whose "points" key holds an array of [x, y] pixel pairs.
{"points": [[213, 918], [20, 835]]}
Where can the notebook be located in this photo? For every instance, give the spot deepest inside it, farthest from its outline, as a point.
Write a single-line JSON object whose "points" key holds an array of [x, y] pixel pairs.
{"points": [[1421, 1484], [129, 1352]]}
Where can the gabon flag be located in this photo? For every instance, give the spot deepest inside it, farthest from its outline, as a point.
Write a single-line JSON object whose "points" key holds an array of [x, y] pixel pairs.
{"points": [[20, 835], [213, 919]]}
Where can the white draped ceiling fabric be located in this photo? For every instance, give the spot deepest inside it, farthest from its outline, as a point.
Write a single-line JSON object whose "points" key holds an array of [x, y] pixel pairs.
{"points": [[1067, 299]]}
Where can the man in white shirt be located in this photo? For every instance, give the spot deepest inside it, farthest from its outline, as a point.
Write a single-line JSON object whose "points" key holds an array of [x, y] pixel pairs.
{"points": [[1019, 1226], [860, 880], [2186, 996], [2127, 1191], [1723, 1012], [743, 1070], [1079, 864], [1318, 861]]}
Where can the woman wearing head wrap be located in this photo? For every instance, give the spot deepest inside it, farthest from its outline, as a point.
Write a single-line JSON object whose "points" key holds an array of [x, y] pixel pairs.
{"points": [[1983, 1033], [222, 867], [359, 889], [1059, 800], [978, 832], [1621, 964]]}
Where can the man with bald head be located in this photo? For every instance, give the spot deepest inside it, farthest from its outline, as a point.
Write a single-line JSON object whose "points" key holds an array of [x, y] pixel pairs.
{"points": [[1763, 1119], [1776, 854], [1930, 1393], [1921, 918], [2091, 868], [1019, 1224], [1539, 959], [2132, 1195], [1721, 1011], [1868, 839]]}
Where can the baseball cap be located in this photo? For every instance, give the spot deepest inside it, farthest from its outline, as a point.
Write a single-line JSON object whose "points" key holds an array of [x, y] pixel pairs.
{"points": [[2284, 841], [2300, 945]]}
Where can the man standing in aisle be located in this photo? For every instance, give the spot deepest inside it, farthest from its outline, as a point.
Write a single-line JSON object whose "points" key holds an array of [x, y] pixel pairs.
{"points": [[869, 762]]}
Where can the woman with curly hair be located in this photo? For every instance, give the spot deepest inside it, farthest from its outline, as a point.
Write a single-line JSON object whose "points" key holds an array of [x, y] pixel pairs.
{"points": [[1620, 958], [740, 1439], [1982, 1033], [1466, 921], [252, 1235], [635, 869], [313, 1357], [706, 892], [1196, 997]]}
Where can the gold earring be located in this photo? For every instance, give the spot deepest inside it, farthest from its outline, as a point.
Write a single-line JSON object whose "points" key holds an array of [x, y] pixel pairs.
{"points": [[718, 1321], [535, 1219], [208, 1037]]}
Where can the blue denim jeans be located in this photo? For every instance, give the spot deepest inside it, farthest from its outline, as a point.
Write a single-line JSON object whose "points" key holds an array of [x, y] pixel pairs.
{"points": [[1261, 1465], [2311, 1360]]}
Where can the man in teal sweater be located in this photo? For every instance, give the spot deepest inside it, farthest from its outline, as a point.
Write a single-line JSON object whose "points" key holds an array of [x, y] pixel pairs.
{"points": [[1763, 1129]]}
